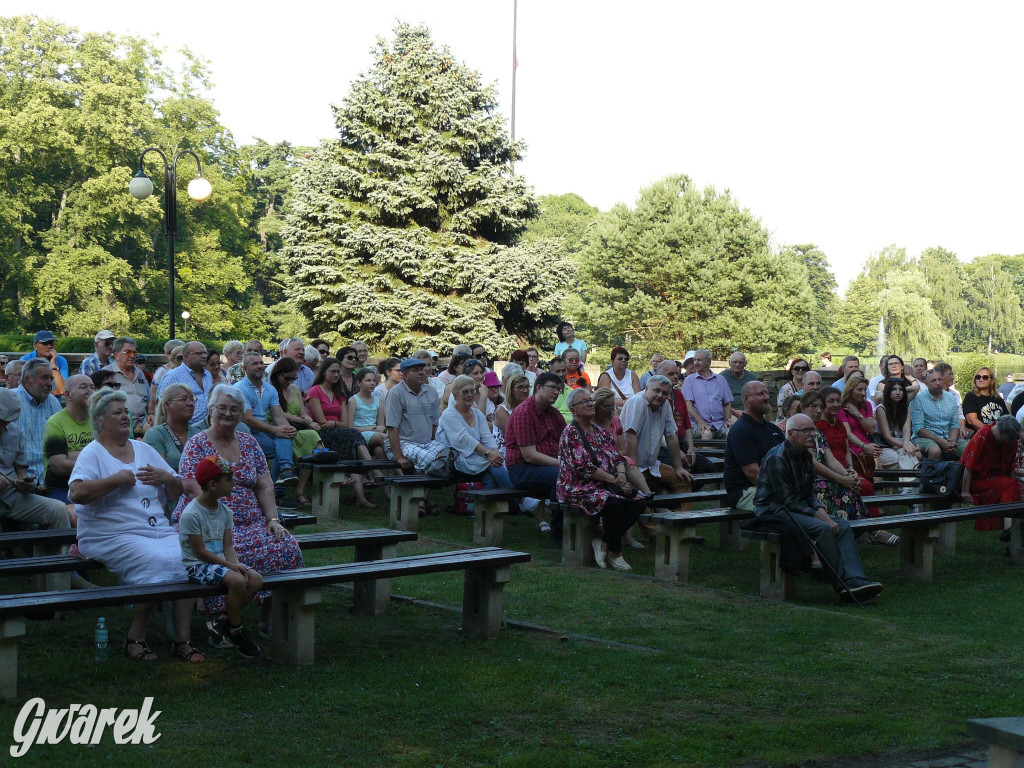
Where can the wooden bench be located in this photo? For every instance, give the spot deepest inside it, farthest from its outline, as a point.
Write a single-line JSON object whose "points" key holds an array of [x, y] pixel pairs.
{"points": [[296, 595], [490, 505], [407, 491], [919, 534], [329, 479], [1005, 738]]}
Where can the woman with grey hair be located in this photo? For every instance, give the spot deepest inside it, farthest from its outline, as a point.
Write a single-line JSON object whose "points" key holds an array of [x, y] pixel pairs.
{"points": [[259, 538], [232, 353], [475, 370], [120, 486], [312, 357], [171, 428], [989, 461]]}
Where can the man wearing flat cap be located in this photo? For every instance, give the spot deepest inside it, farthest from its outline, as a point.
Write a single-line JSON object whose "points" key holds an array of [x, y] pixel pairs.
{"points": [[43, 346], [411, 413], [17, 501], [102, 357]]}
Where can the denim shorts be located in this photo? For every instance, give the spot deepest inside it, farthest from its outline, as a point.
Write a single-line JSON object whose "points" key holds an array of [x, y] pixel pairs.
{"points": [[206, 573]]}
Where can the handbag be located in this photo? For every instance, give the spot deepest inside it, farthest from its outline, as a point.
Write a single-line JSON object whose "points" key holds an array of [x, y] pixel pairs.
{"points": [[610, 487], [941, 477]]}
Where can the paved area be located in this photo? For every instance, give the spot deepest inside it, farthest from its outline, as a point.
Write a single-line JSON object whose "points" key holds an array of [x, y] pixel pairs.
{"points": [[962, 757]]}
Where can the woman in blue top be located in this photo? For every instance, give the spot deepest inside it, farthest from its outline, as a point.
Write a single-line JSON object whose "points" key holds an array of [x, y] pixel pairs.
{"points": [[363, 412], [567, 338]]}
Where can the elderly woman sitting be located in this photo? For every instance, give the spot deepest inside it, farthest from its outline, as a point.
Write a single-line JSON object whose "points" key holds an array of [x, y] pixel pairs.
{"points": [[259, 539], [120, 486], [464, 428], [592, 475], [989, 461]]}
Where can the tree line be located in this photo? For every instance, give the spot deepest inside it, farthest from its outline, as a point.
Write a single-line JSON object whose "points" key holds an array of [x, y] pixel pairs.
{"points": [[409, 228]]}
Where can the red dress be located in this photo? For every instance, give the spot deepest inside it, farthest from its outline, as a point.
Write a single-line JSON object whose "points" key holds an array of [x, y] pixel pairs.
{"points": [[835, 436], [992, 482]]}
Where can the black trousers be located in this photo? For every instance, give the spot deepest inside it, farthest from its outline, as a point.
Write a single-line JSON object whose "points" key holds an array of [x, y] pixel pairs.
{"points": [[617, 517]]}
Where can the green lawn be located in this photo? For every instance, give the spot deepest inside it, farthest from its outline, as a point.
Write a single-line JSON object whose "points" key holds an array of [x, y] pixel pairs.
{"points": [[701, 674]]}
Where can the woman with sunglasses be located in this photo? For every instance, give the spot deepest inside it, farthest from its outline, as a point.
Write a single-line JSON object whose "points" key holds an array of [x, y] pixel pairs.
{"points": [[983, 405], [795, 380], [618, 378], [348, 357]]}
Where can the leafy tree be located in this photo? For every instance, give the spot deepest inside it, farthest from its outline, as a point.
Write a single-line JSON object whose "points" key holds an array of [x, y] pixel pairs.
{"points": [[688, 268], [823, 287], [566, 218], [944, 285], [995, 315], [403, 230]]}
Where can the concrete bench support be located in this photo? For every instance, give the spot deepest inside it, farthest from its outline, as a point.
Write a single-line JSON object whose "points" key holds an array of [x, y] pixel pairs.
{"points": [[577, 533], [405, 513], [50, 582], [945, 544], [327, 485], [1017, 541], [482, 601], [294, 625], [775, 583], [917, 547], [489, 522], [1005, 737], [10, 631], [372, 596], [672, 552], [729, 536]]}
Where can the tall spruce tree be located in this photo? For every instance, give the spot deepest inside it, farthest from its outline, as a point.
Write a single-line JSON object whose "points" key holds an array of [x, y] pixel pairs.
{"points": [[403, 230]]}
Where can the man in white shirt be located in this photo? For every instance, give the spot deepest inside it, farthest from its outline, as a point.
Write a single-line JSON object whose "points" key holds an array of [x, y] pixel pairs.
{"points": [[647, 421]]}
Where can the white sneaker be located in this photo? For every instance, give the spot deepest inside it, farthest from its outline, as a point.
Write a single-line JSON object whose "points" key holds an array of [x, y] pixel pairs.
{"points": [[600, 555], [544, 526], [620, 564]]}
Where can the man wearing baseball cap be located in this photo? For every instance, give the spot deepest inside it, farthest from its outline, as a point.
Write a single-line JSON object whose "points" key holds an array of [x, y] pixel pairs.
{"points": [[17, 501], [104, 344], [43, 347], [411, 415]]}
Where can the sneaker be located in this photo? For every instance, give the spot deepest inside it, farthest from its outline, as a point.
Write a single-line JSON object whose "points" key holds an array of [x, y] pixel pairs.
{"points": [[218, 633], [1005, 535], [620, 564], [865, 591], [243, 644], [285, 503], [287, 477], [544, 526]]}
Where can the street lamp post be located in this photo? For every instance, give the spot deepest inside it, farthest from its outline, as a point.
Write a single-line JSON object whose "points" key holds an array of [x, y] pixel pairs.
{"points": [[185, 316], [199, 189]]}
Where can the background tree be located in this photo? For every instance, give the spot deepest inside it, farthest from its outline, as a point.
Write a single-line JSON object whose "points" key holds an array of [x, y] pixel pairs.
{"points": [[995, 316], [686, 269], [824, 288], [566, 218], [944, 285], [402, 230]]}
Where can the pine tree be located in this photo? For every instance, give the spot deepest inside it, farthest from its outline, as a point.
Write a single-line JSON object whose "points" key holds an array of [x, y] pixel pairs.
{"points": [[403, 230]]}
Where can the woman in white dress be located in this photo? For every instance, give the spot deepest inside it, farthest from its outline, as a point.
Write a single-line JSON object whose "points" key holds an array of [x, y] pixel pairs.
{"points": [[119, 487]]}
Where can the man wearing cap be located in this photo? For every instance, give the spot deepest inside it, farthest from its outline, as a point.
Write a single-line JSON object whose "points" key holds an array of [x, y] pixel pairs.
{"points": [[133, 383], [43, 346], [17, 501], [37, 405], [687, 364], [411, 415], [104, 344]]}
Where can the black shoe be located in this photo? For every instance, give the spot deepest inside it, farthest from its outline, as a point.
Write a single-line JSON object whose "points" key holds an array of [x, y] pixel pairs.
{"points": [[865, 591], [285, 503], [1005, 536], [287, 477], [243, 644], [218, 633]]}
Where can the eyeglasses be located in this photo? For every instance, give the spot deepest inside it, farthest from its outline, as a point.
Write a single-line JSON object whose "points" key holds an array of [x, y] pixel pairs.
{"points": [[45, 343], [350, 357], [334, 371], [129, 353], [800, 369], [107, 342], [324, 351], [557, 387], [803, 430], [182, 399], [224, 410], [178, 358], [621, 359], [582, 403], [982, 377], [521, 388]]}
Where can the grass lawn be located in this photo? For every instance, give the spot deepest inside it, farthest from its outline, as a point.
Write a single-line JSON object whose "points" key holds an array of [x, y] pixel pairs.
{"points": [[637, 673]]}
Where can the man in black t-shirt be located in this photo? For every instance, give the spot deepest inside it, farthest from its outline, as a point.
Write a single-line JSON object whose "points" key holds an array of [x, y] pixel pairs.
{"points": [[749, 440]]}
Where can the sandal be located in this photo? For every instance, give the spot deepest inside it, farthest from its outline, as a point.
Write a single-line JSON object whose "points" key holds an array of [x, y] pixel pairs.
{"points": [[422, 509], [302, 501], [879, 537], [190, 655], [432, 509], [144, 653]]}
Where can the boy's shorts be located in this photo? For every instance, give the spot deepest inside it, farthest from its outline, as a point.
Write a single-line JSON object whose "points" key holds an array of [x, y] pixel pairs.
{"points": [[206, 573]]}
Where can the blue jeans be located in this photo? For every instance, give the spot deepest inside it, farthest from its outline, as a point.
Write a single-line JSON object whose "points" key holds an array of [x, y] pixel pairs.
{"points": [[840, 551], [278, 448], [538, 479], [496, 477]]}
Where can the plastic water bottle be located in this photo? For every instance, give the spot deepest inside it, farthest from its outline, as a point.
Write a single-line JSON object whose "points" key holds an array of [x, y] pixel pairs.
{"points": [[101, 637]]}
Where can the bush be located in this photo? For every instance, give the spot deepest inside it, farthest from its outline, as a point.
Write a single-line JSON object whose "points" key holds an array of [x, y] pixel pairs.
{"points": [[965, 367]]}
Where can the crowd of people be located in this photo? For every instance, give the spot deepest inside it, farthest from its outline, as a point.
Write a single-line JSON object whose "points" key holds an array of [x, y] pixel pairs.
{"points": [[180, 473]]}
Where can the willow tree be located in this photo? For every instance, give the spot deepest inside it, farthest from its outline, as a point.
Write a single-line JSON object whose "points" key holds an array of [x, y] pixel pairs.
{"points": [[403, 230]]}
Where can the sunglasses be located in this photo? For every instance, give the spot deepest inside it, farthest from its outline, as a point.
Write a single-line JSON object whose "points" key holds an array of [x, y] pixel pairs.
{"points": [[982, 377], [800, 369]]}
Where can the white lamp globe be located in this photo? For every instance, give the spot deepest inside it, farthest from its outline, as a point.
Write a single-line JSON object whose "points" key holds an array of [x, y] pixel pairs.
{"points": [[140, 187], [199, 189]]}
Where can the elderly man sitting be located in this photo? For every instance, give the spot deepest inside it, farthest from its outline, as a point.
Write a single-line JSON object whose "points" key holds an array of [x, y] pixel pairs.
{"points": [[708, 398], [37, 406], [103, 344], [785, 489], [193, 373], [812, 383], [648, 420], [737, 376], [295, 348], [65, 435], [132, 381], [17, 482], [43, 348]]}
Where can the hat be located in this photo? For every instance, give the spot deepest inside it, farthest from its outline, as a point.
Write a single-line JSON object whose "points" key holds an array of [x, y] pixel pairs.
{"points": [[141, 360], [411, 362], [10, 405], [433, 353], [42, 336], [104, 334], [209, 469], [690, 354], [462, 349], [491, 379]]}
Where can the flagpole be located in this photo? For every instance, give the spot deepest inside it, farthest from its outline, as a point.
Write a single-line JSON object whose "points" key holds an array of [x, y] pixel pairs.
{"points": [[515, 66]]}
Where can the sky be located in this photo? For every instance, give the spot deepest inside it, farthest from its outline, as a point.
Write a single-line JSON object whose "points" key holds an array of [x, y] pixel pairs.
{"points": [[850, 126]]}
